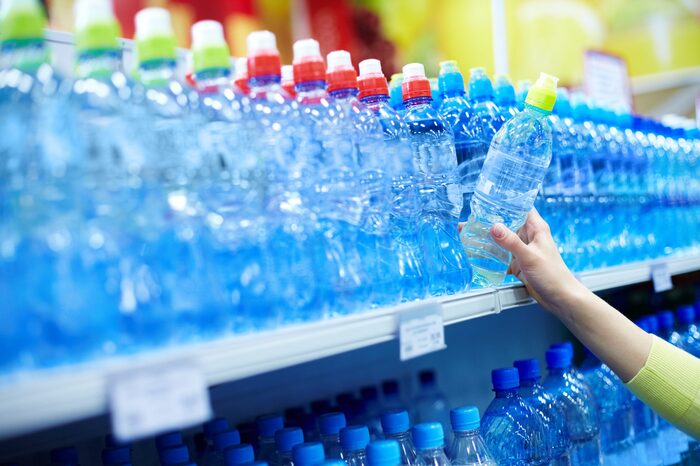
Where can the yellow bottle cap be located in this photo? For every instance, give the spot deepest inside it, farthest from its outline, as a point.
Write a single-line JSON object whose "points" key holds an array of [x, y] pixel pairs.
{"points": [[543, 93]]}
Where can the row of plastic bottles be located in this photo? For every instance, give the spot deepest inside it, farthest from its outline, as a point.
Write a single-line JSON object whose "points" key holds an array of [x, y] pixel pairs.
{"points": [[573, 416]]}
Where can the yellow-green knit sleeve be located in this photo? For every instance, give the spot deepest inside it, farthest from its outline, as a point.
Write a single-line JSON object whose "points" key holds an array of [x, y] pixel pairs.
{"points": [[669, 383]]}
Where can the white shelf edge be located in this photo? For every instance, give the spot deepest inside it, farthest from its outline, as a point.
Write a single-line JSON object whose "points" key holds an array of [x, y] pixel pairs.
{"points": [[64, 395]]}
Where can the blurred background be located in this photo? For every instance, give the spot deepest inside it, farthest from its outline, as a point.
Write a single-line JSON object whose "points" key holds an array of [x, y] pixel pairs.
{"points": [[659, 40]]}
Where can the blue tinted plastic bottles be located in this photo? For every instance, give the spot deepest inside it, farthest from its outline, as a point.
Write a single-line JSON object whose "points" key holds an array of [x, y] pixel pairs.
{"points": [[267, 426], [523, 146], [511, 428], [404, 207], [430, 404], [329, 426], [551, 415], [468, 448], [429, 440], [455, 110], [521, 93], [690, 336], [440, 195], [353, 444], [308, 454], [383, 453], [176, 455], [396, 425], [579, 408], [285, 440], [222, 441], [239, 454], [504, 97]]}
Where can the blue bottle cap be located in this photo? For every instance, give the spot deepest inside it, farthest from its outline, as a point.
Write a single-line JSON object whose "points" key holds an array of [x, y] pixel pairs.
{"points": [[269, 424], [503, 91], [66, 455], [331, 423], [239, 454], [395, 421], [505, 378], [558, 358], [390, 387], [169, 439], [116, 455], [369, 393], [479, 85], [427, 378], [354, 438], [288, 438], [215, 426], [528, 369], [174, 455], [653, 323], [666, 320], [428, 435], [450, 80], [465, 418], [565, 345], [383, 453], [686, 314], [308, 454], [226, 439]]}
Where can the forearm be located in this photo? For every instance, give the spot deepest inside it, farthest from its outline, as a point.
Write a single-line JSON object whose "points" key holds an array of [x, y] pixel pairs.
{"points": [[611, 336]]}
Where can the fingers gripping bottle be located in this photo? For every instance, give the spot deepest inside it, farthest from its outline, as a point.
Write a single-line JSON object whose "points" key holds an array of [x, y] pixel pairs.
{"points": [[440, 193], [374, 94], [509, 181]]}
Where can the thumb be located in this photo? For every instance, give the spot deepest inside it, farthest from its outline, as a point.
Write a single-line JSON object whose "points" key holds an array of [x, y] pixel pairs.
{"points": [[508, 240]]}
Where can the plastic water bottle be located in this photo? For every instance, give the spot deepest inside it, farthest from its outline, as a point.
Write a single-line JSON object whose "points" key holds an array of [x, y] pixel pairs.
{"points": [[373, 157], [550, 414], [239, 454], [429, 440], [221, 441], [285, 440], [353, 444], [383, 453], [396, 93], [504, 96], [456, 111], [391, 395], [614, 411], [523, 146], [511, 428], [267, 426], [521, 93], [468, 448], [374, 94], [344, 282], [579, 408], [329, 426], [395, 426], [308, 454], [431, 404], [440, 195], [177, 455]]}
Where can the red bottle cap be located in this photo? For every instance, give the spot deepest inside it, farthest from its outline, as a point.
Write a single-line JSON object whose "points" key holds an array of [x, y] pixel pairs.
{"points": [[415, 84]]}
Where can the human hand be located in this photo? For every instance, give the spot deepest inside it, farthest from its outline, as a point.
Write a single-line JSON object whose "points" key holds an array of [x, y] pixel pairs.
{"points": [[537, 262]]}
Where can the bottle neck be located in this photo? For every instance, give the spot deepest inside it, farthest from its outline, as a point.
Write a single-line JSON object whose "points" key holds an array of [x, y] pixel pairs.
{"points": [[344, 93], [375, 99], [310, 86], [432, 452], [24, 55], [99, 64], [528, 383], [465, 434], [558, 371], [417, 101], [399, 436], [536, 110], [157, 72], [452, 93], [508, 393]]}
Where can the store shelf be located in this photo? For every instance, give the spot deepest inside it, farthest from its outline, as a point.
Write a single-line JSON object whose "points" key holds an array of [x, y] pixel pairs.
{"points": [[50, 398]]}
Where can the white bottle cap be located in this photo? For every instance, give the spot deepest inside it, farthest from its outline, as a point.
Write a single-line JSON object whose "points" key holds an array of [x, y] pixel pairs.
{"points": [[258, 42], [241, 68], [288, 73], [306, 48], [370, 66], [207, 32], [153, 22], [413, 70], [89, 12], [338, 60]]}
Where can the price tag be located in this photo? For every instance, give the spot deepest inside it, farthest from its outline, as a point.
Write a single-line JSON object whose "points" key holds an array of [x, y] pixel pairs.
{"points": [[661, 278], [148, 401], [421, 329]]}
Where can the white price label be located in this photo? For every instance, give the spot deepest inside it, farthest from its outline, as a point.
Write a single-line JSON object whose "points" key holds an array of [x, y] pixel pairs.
{"points": [[421, 329], [147, 401], [661, 278]]}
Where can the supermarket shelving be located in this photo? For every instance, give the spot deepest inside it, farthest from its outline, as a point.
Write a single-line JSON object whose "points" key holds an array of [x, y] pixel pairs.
{"points": [[51, 398]]}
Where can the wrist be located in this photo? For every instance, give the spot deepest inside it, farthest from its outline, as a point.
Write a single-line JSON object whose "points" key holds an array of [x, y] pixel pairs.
{"points": [[571, 299]]}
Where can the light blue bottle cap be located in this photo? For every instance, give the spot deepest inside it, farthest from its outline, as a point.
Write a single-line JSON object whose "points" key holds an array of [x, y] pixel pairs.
{"points": [[503, 91], [308, 454], [269, 424], [465, 418], [479, 85], [395, 421], [383, 453], [428, 435], [505, 378], [354, 438], [331, 423], [450, 80], [335, 462], [566, 346], [226, 439], [239, 454], [286, 439]]}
